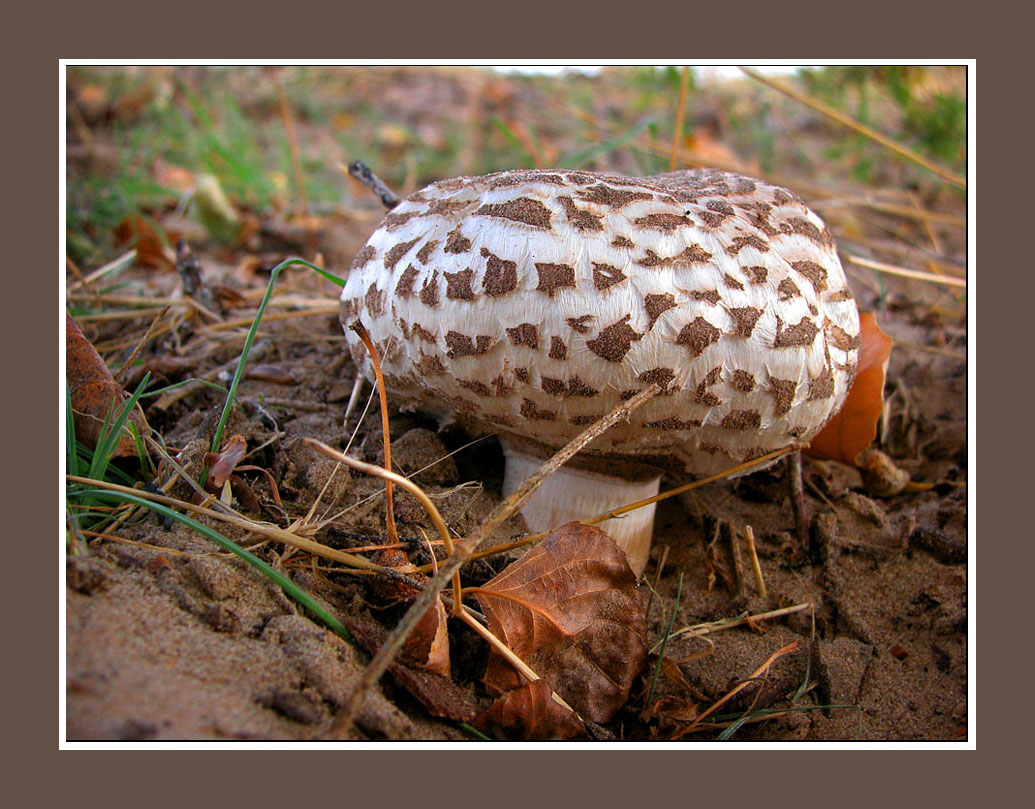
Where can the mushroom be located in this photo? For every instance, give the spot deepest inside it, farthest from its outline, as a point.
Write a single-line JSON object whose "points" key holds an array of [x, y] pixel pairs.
{"points": [[531, 303]]}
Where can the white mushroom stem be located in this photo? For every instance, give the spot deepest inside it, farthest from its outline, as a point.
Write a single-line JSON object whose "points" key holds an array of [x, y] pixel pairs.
{"points": [[571, 494]]}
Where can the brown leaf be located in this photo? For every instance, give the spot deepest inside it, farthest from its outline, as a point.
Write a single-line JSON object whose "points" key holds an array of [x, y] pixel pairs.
{"points": [[428, 644], [137, 232], [93, 392], [439, 695], [221, 465], [530, 713], [569, 608], [266, 372], [852, 428]]}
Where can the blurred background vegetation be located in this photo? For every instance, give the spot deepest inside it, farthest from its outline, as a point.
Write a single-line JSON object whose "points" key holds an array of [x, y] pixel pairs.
{"points": [[222, 147]]}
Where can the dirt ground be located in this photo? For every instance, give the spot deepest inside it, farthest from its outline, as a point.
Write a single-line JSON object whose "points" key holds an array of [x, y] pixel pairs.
{"points": [[170, 639]]}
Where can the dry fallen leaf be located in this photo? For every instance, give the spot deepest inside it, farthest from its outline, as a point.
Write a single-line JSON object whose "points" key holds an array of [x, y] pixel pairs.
{"points": [[439, 695], [428, 644], [221, 465], [852, 428], [570, 609], [530, 713], [94, 394], [147, 238]]}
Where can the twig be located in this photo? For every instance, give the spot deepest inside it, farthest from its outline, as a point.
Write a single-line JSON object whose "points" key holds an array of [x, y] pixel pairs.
{"points": [[360, 171], [749, 536], [862, 129]]}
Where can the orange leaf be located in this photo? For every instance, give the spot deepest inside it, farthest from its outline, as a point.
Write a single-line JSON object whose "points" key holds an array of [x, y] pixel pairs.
{"points": [[570, 609], [94, 393], [854, 426]]}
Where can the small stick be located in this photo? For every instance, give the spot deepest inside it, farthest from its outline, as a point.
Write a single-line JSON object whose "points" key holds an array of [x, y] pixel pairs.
{"points": [[749, 537], [797, 492], [361, 171]]}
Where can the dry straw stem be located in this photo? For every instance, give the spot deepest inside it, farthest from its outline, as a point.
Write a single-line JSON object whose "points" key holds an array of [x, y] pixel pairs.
{"points": [[148, 335], [364, 336], [122, 261], [263, 529], [710, 627], [862, 129], [761, 671], [677, 133], [756, 567], [919, 275], [529, 538], [405, 483]]}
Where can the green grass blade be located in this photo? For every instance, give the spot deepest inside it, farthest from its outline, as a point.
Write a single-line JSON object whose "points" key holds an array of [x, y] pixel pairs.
{"points": [[248, 341], [111, 431], [664, 642]]}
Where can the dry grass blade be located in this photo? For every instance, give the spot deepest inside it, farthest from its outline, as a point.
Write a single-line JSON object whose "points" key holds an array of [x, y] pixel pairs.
{"points": [[607, 515], [761, 671], [364, 336], [677, 133], [148, 335], [268, 531], [700, 630], [862, 129], [756, 567], [405, 483], [919, 275]]}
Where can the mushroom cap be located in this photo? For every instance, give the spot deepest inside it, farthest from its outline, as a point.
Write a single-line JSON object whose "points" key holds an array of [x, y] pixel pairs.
{"points": [[531, 303]]}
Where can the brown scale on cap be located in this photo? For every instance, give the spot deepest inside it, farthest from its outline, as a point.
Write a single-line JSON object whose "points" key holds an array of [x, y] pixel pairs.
{"points": [[568, 289]]}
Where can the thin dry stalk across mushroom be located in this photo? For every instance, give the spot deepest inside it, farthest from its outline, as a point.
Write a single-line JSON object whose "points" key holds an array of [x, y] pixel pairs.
{"points": [[530, 303]]}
